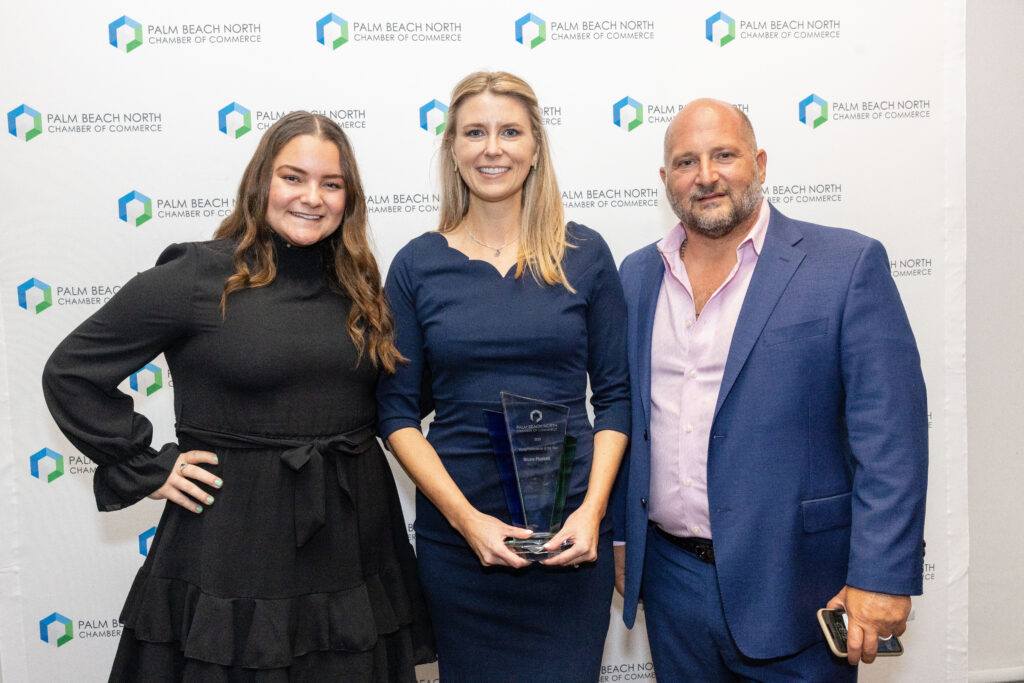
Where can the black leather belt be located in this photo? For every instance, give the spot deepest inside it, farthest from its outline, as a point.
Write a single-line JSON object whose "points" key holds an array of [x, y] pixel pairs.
{"points": [[701, 548]]}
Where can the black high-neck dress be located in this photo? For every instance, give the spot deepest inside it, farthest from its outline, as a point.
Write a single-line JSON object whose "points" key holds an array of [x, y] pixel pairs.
{"points": [[301, 570]]}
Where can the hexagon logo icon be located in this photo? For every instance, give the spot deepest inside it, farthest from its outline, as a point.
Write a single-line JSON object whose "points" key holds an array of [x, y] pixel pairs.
{"points": [[149, 378], [241, 117], [427, 112], [730, 28], [144, 203], [633, 118], [41, 457], [31, 122], [125, 33], [329, 26], [63, 630], [531, 22], [45, 294], [146, 540], [822, 105]]}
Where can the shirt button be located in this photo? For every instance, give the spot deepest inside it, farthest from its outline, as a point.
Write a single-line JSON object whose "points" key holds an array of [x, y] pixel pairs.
{"points": [[696, 529], [688, 428], [693, 373], [689, 482], [689, 323]]}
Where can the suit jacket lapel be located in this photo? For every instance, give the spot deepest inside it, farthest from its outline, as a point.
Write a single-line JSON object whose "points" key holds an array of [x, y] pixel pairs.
{"points": [[650, 287], [775, 267]]}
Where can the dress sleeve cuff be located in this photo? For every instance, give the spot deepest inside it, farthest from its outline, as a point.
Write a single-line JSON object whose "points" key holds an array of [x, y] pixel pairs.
{"points": [[118, 486], [389, 426]]}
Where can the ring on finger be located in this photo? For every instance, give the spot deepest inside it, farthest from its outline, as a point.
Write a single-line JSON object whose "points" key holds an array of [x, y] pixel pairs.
{"points": [[181, 467]]}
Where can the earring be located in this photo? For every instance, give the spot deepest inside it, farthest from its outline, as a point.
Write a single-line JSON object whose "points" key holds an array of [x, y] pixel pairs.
{"points": [[455, 166]]}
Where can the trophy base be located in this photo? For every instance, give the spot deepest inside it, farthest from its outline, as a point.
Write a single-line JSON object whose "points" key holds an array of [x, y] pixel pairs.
{"points": [[532, 548]]}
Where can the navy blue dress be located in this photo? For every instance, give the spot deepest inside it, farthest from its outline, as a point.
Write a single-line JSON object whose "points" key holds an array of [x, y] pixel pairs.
{"points": [[469, 333]]}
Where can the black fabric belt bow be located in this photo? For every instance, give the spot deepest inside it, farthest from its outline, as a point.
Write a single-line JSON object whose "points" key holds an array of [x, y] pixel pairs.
{"points": [[306, 460]]}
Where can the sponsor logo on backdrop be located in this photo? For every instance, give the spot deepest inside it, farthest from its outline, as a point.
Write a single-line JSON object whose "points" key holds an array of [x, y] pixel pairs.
{"points": [[803, 193], [141, 208], [910, 266], [332, 31], [610, 197], [536, 30], [35, 295], [147, 380], [59, 630], [146, 540], [344, 117], [531, 30], [46, 465], [721, 29], [234, 120], [627, 671], [815, 110], [434, 116], [551, 116], [125, 33], [725, 23], [182, 34], [26, 123], [627, 113], [27, 119], [664, 112], [56, 629], [404, 202]]}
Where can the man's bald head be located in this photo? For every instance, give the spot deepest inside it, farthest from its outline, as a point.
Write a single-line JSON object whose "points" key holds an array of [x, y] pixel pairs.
{"points": [[747, 128]]}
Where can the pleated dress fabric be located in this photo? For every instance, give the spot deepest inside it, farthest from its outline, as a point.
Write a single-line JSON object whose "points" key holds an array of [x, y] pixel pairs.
{"points": [[301, 570]]}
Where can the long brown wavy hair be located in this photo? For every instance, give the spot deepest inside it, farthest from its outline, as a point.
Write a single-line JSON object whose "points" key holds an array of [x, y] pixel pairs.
{"points": [[542, 239], [369, 321]]}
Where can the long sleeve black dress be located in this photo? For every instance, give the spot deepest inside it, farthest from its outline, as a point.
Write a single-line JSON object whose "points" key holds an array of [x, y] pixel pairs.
{"points": [[301, 569]]}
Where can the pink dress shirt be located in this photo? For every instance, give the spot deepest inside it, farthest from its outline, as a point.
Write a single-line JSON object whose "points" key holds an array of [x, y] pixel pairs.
{"points": [[688, 357]]}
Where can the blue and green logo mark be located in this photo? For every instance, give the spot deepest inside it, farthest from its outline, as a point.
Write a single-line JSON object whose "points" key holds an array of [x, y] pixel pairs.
{"points": [[33, 283], [145, 540], [136, 28], [135, 196], [28, 113], [150, 376], [46, 454], [636, 111], [730, 25], [822, 112], [427, 109], [235, 108], [542, 29], [66, 629], [334, 20]]}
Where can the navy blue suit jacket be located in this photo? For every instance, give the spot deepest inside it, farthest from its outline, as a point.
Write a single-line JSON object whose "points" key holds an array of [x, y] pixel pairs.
{"points": [[817, 460]]}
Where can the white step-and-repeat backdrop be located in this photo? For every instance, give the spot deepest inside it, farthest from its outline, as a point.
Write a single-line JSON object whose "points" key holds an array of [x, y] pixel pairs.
{"points": [[126, 132]]}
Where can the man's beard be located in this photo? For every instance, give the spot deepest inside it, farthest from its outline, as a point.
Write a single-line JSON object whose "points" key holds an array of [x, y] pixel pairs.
{"points": [[717, 225]]}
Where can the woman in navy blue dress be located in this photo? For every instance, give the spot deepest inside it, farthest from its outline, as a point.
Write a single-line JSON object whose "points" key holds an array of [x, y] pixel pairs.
{"points": [[505, 296]]}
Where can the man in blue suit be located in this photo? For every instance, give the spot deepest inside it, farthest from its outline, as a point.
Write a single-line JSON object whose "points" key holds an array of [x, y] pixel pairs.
{"points": [[778, 458]]}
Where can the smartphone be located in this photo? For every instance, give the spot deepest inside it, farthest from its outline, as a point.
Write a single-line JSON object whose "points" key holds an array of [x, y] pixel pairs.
{"points": [[834, 622]]}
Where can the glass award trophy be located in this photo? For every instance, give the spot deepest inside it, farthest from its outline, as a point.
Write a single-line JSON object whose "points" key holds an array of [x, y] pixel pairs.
{"points": [[534, 457]]}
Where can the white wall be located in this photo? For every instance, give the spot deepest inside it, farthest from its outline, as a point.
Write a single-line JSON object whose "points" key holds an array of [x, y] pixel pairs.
{"points": [[995, 331]]}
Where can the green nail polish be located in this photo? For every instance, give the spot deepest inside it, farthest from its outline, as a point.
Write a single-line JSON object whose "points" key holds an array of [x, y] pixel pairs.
{"points": [[218, 483], [216, 460], [199, 508], [209, 500]]}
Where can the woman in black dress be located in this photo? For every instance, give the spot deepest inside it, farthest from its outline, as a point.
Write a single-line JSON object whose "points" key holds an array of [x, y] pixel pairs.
{"points": [[283, 554]]}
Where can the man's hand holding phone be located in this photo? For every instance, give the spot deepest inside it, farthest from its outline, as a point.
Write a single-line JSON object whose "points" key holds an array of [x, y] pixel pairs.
{"points": [[872, 622]]}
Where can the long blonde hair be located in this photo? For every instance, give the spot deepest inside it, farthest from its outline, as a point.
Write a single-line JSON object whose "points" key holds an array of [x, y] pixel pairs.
{"points": [[542, 238], [369, 323]]}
